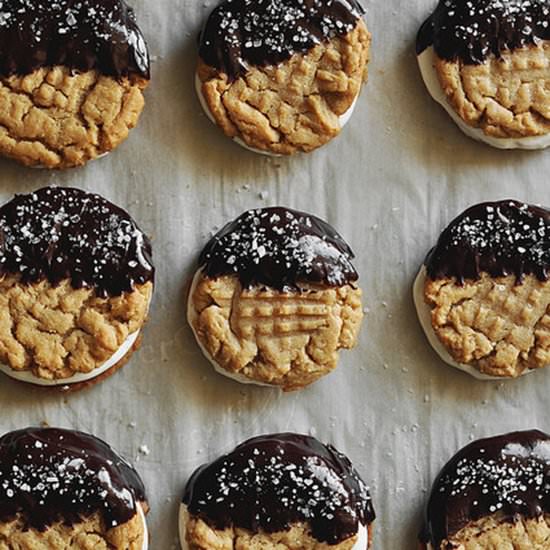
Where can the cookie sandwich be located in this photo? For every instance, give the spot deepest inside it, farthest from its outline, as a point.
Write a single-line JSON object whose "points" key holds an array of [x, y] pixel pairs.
{"points": [[76, 280], [483, 292], [487, 62], [277, 491], [493, 494], [275, 298], [72, 76], [68, 490], [282, 76]]}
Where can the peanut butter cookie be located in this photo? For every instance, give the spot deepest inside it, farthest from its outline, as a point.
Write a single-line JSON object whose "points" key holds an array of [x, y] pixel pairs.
{"points": [[283, 76], [493, 494], [275, 298], [76, 281], [483, 295], [488, 63], [72, 76], [69, 491], [277, 492]]}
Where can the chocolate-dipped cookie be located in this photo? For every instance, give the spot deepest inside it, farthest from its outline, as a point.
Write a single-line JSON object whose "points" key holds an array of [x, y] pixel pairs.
{"points": [[76, 280], [487, 63], [277, 491], [72, 76], [493, 494], [275, 298], [64, 489], [483, 293], [282, 76]]}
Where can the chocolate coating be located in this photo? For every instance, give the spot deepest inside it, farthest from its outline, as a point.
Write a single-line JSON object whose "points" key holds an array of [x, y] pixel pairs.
{"points": [[243, 33], [49, 475], [79, 34], [499, 238], [280, 248], [273, 481], [474, 30], [508, 474], [59, 233]]}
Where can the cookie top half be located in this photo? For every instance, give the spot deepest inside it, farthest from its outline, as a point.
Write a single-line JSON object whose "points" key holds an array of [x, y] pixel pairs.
{"points": [[243, 33], [508, 475], [471, 31], [270, 482], [280, 248], [59, 233], [499, 238], [82, 35], [50, 475]]}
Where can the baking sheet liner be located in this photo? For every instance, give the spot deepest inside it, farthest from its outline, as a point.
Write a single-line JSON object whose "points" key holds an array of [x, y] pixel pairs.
{"points": [[399, 172]]}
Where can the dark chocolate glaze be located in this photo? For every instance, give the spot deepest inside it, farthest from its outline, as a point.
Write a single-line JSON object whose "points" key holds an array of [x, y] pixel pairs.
{"points": [[273, 481], [59, 233], [79, 34], [507, 474], [244, 33], [499, 238], [476, 29], [279, 248], [50, 475]]}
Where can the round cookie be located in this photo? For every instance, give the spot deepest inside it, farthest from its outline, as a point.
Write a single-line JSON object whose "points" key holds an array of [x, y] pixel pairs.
{"points": [[283, 76], [275, 298], [76, 281], [487, 63], [493, 494], [483, 293], [277, 491], [68, 490], [72, 76]]}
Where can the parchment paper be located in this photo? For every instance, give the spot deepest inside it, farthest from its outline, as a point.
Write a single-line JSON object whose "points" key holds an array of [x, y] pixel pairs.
{"points": [[399, 172]]}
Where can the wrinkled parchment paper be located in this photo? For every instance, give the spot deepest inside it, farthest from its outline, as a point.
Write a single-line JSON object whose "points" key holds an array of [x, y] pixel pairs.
{"points": [[399, 172]]}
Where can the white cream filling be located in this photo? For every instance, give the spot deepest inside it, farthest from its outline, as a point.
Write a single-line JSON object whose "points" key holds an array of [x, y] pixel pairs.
{"points": [[344, 119], [28, 376], [192, 316], [362, 542], [425, 317], [426, 62]]}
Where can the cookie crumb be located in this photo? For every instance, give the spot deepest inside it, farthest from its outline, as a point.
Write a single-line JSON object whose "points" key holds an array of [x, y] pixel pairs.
{"points": [[144, 450]]}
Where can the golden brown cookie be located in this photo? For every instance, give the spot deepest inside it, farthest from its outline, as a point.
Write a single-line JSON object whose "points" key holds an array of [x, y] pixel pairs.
{"points": [[76, 281], [72, 77], [201, 536], [483, 295], [235, 502], [89, 533], [497, 532], [492, 495], [487, 62], [282, 77], [69, 491], [275, 299]]}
